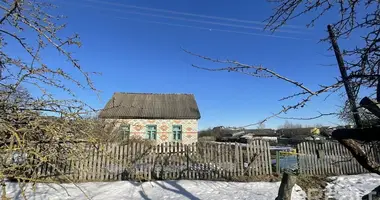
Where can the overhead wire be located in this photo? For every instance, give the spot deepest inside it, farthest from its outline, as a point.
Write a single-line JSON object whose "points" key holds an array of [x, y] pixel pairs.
{"points": [[189, 20], [219, 30], [189, 14]]}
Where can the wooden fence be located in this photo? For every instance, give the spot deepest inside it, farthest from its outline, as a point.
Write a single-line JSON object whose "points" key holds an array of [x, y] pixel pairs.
{"points": [[331, 158], [141, 161]]}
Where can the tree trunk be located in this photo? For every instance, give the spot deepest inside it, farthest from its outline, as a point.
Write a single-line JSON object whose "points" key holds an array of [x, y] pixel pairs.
{"points": [[360, 155], [286, 187]]}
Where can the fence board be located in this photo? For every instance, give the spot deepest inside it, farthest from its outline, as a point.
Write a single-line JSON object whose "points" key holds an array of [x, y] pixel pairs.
{"points": [[327, 148], [337, 159], [136, 160]]}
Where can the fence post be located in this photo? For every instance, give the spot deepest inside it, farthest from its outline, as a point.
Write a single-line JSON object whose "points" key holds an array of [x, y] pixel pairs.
{"points": [[187, 160], [278, 170]]}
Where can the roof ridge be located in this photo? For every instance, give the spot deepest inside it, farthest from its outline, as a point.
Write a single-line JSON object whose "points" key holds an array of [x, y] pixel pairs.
{"points": [[153, 93]]}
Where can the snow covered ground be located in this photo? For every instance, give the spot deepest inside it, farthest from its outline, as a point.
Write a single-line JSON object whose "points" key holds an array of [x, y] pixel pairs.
{"points": [[184, 189], [342, 187], [352, 187]]}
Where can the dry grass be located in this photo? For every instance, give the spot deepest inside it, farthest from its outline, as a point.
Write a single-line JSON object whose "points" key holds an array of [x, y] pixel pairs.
{"points": [[312, 182]]}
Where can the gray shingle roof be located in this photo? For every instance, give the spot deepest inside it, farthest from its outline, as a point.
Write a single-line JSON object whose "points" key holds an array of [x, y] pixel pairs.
{"points": [[150, 106]]}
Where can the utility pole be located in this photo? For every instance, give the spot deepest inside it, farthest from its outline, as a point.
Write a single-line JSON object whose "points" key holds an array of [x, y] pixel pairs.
{"points": [[346, 81]]}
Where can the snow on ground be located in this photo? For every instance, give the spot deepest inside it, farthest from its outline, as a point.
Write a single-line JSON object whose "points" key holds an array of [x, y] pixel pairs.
{"points": [[183, 189], [352, 187]]}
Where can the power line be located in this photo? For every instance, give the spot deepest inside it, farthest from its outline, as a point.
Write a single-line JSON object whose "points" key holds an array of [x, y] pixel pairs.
{"points": [[219, 30], [189, 20], [190, 14]]}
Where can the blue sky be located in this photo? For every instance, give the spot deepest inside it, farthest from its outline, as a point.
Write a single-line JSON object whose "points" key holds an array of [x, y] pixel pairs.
{"points": [[136, 50]]}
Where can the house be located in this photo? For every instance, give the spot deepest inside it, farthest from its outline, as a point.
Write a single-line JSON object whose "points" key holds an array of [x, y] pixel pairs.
{"points": [[158, 117]]}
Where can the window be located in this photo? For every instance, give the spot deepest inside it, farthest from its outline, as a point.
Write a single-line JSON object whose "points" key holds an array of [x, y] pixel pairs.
{"points": [[124, 132], [151, 132], [177, 132]]}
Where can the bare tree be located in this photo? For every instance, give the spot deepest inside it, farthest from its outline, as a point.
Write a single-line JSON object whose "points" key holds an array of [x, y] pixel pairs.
{"points": [[27, 122], [360, 67], [288, 124], [261, 126]]}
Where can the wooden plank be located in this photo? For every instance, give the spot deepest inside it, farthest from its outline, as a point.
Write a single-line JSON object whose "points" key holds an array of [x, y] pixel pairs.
{"points": [[139, 154], [308, 166], [133, 161], [258, 158], [371, 148], [249, 158], [106, 162], [230, 161], [178, 160], [141, 161], [311, 152], [241, 161], [98, 161], [166, 160], [216, 154], [342, 159], [253, 153], [154, 161], [317, 161], [322, 158], [315, 158], [268, 167], [266, 160], [211, 161], [111, 162], [327, 150], [327, 168], [91, 151], [199, 161], [269, 158], [194, 162], [348, 163], [355, 165], [181, 159], [236, 160], [161, 160], [145, 161], [299, 158], [171, 161], [223, 161], [261, 156], [85, 162], [149, 162], [222, 167], [118, 162], [103, 163], [123, 149], [130, 160], [338, 159], [306, 159]]}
